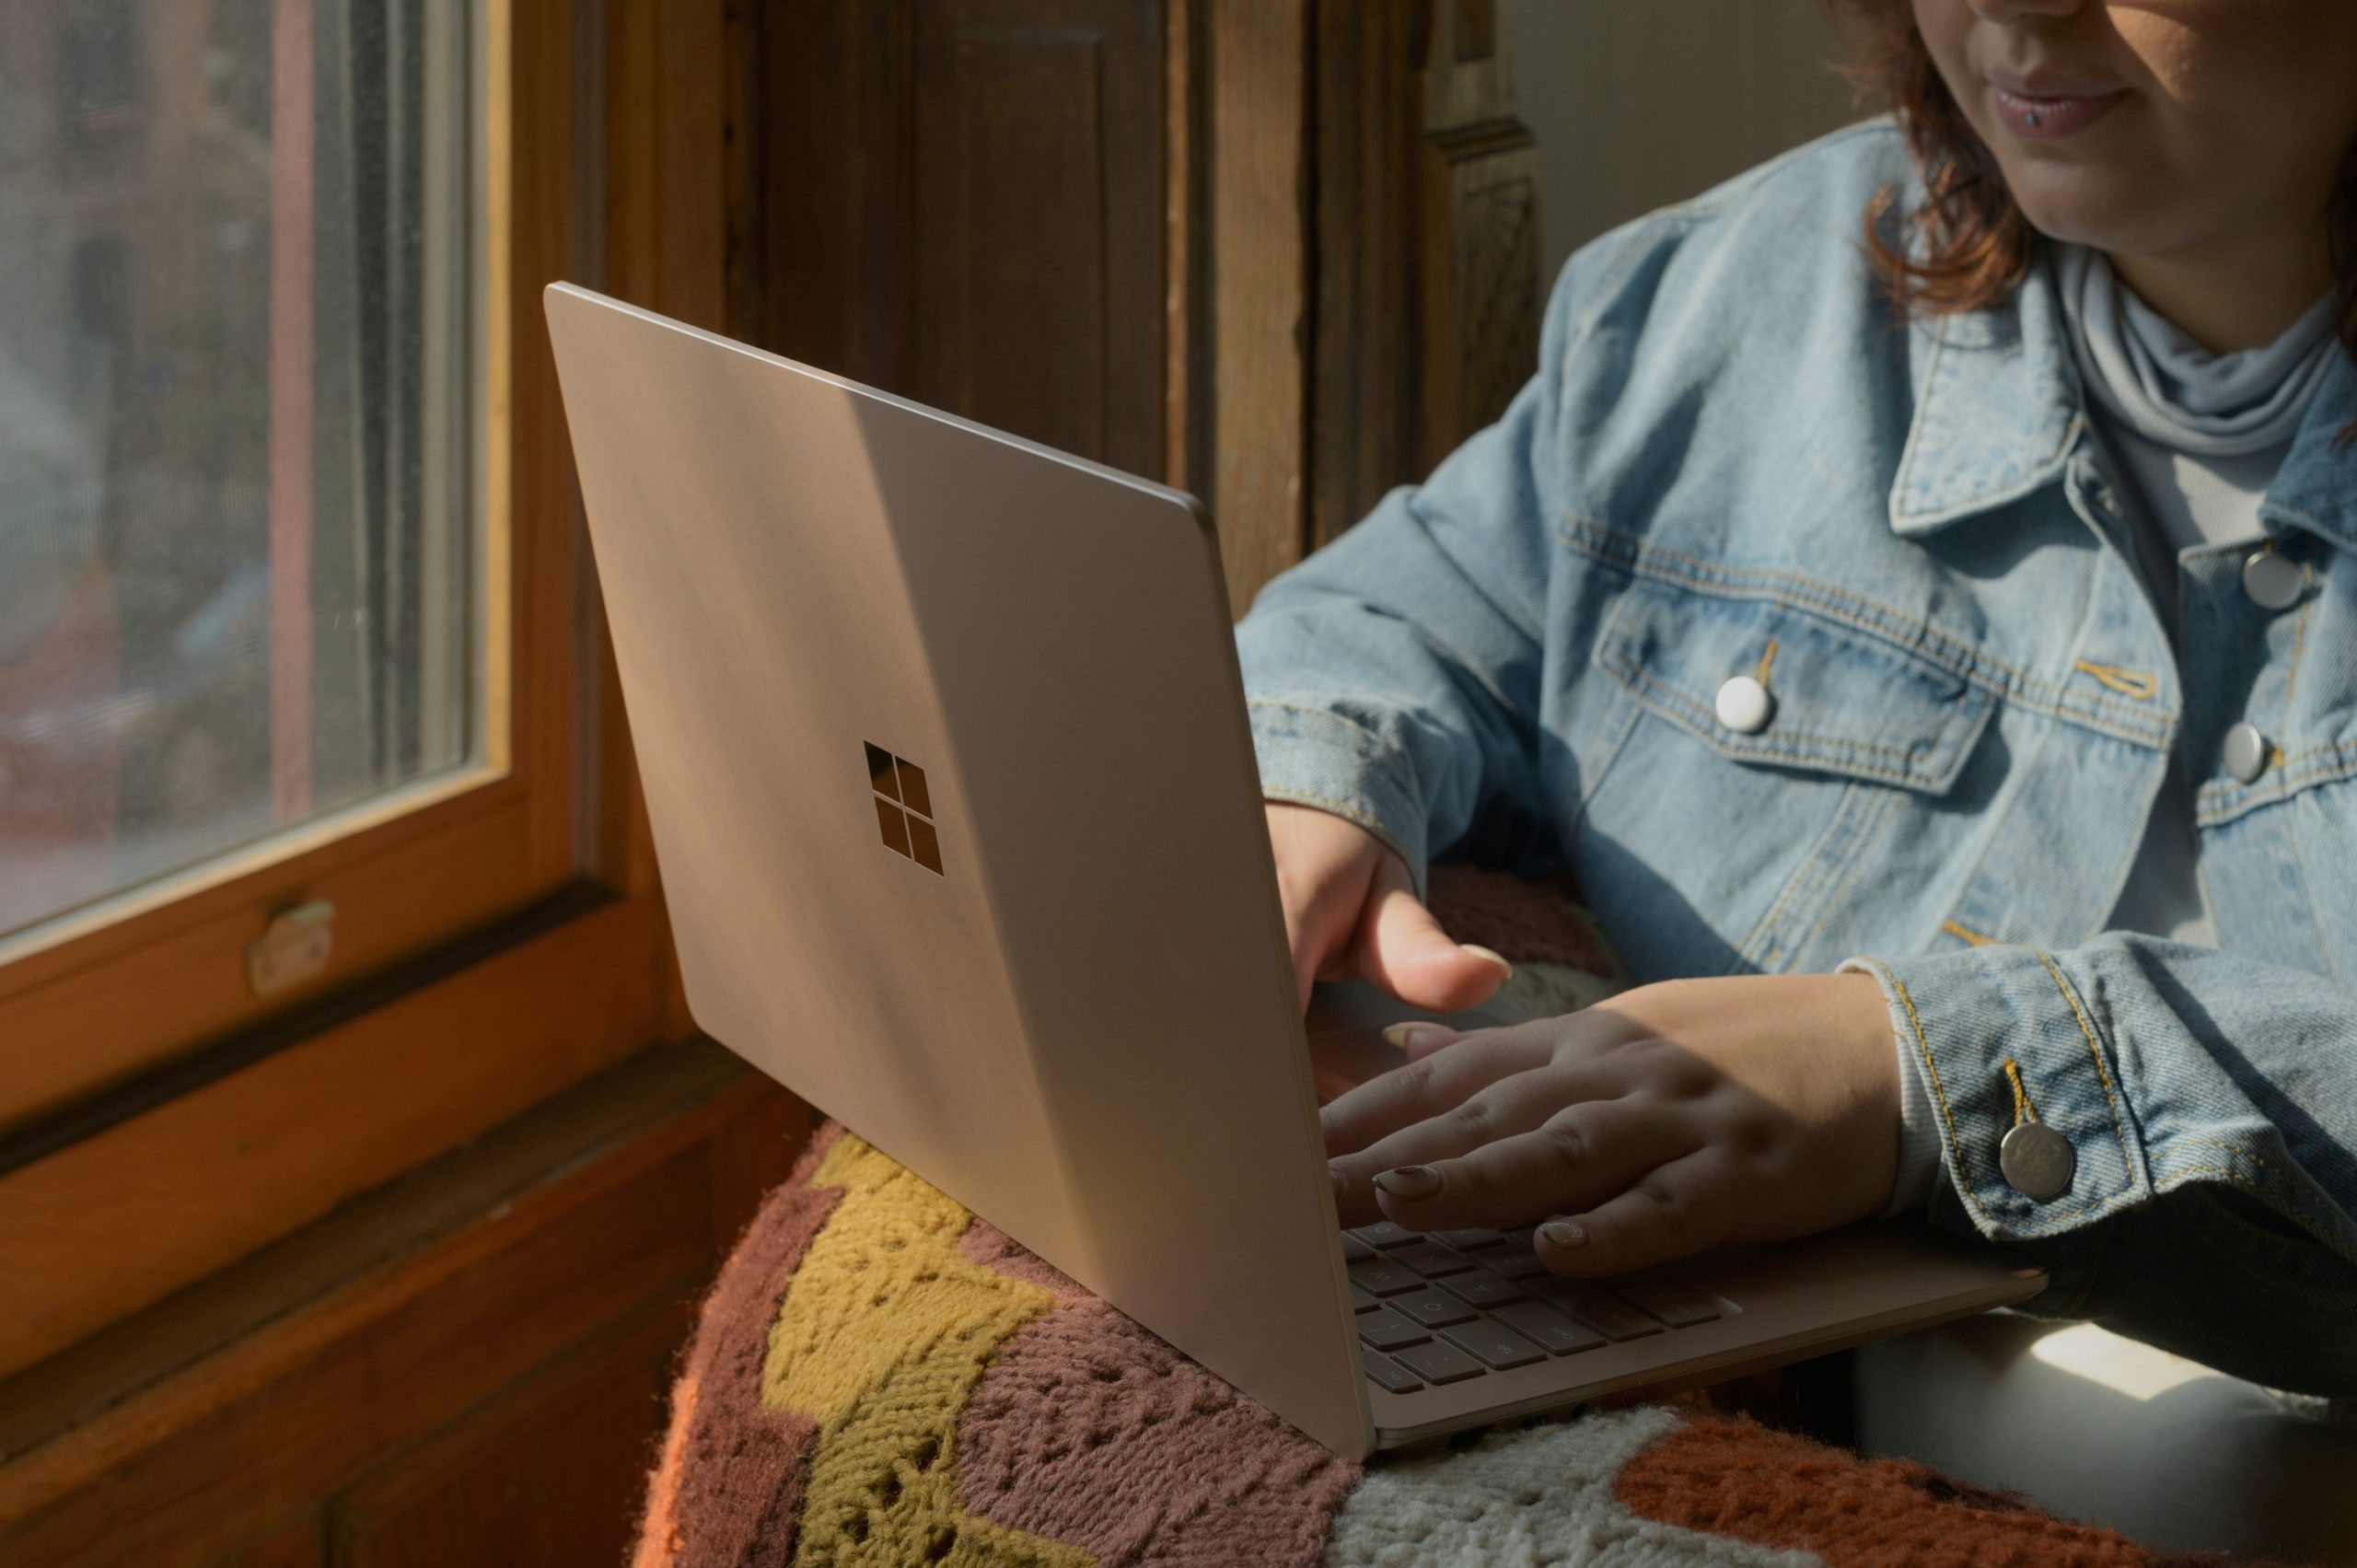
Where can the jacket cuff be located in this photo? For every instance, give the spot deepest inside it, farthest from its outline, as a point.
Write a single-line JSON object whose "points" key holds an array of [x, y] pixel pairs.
{"points": [[1964, 1018], [1314, 757], [1919, 1126]]}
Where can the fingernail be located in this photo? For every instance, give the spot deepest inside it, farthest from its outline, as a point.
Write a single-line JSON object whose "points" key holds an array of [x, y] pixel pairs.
{"points": [[1336, 1177], [1407, 1037], [1488, 956], [1563, 1233], [1409, 1181]]}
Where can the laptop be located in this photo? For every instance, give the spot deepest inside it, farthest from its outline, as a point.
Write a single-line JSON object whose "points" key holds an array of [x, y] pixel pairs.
{"points": [[943, 740]]}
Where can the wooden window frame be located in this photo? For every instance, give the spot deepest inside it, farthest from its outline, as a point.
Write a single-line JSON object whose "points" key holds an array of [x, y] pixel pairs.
{"points": [[492, 946], [91, 998]]}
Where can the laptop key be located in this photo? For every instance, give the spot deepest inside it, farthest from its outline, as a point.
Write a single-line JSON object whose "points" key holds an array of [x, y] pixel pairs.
{"points": [[1386, 1235], [1513, 1262], [1361, 1302], [1479, 1287], [1430, 1260], [1390, 1374], [1470, 1240], [1433, 1307], [1558, 1334], [1386, 1330], [1381, 1276], [1438, 1363], [1355, 1251], [1495, 1344], [1678, 1307], [1613, 1318]]}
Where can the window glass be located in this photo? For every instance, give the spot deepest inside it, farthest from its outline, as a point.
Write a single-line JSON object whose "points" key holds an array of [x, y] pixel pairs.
{"points": [[239, 552]]}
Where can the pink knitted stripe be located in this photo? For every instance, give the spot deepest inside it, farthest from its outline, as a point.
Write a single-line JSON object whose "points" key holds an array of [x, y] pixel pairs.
{"points": [[1086, 1429], [728, 1487]]}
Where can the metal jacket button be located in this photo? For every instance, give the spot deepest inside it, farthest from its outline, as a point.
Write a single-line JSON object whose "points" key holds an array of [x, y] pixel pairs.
{"points": [[2272, 581], [1744, 706], [2246, 752], [2037, 1161]]}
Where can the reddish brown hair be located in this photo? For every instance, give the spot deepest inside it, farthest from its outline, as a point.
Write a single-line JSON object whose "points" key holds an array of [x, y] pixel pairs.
{"points": [[1977, 245]]}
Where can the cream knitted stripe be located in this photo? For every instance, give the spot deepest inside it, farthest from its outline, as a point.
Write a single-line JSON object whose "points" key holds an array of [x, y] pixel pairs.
{"points": [[1520, 1499]]}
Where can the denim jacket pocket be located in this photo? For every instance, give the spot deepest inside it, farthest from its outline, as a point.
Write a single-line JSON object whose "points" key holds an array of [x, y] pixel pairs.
{"points": [[1833, 771], [1840, 700]]}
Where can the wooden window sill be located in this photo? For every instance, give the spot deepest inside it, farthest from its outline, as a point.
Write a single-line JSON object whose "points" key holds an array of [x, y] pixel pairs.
{"points": [[209, 1420]]}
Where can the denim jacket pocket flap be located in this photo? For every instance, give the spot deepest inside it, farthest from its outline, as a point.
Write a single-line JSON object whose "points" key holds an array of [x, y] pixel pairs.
{"points": [[1838, 699]]}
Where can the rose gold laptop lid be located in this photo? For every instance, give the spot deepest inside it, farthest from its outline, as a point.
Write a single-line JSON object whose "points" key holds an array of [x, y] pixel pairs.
{"points": [[945, 749]]}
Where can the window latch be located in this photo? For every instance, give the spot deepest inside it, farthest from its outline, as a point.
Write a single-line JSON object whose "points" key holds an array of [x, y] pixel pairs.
{"points": [[293, 947]]}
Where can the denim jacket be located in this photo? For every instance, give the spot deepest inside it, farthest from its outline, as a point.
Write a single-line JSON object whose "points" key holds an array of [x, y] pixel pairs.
{"points": [[1736, 461]]}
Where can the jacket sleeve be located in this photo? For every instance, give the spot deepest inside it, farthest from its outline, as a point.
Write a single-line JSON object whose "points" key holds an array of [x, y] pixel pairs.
{"points": [[1394, 677], [2210, 1105]]}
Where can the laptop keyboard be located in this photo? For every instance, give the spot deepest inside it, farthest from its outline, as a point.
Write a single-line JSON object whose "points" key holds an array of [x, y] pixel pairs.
{"points": [[1444, 1306]]}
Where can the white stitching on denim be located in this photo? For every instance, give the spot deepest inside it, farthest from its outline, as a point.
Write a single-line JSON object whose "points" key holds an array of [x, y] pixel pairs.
{"points": [[2103, 1073], [1330, 716], [2224, 1149], [2223, 802], [1839, 832], [1823, 599], [1610, 754], [1286, 794], [1764, 927], [1834, 899], [2285, 1203], [1785, 753], [1905, 479], [1931, 644], [1610, 545], [2025, 1223]]}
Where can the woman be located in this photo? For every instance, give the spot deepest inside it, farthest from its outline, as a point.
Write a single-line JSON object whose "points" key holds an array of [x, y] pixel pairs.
{"points": [[1934, 652]]}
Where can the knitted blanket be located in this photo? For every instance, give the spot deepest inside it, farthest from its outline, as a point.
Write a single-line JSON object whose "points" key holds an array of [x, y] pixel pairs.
{"points": [[880, 1377]]}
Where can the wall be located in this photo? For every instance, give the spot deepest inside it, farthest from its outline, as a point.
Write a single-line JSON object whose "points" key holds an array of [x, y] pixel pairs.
{"points": [[1636, 103]]}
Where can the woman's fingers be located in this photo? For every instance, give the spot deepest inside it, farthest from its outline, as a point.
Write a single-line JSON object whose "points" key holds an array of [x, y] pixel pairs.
{"points": [[1577, 1155], [1419, 1040], [1670, 1213], [1350, 912], [1320, 912], [1439, 1084], [1401, 949], [1512, 1107]]}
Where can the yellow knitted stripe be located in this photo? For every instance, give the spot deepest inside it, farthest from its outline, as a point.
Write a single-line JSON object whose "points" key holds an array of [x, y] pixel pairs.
{"points": [[885, 1331]]}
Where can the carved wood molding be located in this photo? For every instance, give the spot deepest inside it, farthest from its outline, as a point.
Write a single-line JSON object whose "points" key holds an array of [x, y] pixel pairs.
{"points": [[1427, 299]]}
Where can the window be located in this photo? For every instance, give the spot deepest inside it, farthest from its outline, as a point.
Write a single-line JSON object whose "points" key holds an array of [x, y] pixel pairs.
{"points": [[261, 632], [471, 858], [240, 465]]}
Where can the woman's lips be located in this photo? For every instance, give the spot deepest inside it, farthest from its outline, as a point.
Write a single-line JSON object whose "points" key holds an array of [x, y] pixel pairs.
{"points": [[2047, 118]]}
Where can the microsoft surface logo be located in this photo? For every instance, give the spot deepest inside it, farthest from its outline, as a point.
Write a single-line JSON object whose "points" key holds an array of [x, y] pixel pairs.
{"points": [[903, 807]]}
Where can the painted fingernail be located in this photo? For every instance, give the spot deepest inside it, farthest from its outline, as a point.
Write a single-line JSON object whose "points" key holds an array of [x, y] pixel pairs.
{"points": [[1407, 1037], [1489, 956], [1409, 1181], [1563, 1233]]}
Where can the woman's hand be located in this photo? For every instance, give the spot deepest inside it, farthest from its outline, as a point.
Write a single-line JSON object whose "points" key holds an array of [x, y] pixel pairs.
{"points": [[1650, 1126], [1350, 914]]}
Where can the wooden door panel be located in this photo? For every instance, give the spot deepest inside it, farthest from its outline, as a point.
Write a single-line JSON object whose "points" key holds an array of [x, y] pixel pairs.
{"points": [[966, 205], [549, 1476], [1038, 221]]}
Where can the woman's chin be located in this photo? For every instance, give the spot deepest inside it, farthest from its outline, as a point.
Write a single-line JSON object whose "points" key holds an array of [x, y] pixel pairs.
{"points": [[2083, 206]]}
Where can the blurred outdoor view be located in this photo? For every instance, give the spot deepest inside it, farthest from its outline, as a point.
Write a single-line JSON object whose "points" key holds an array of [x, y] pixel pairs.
{"points": [[237, 426]]}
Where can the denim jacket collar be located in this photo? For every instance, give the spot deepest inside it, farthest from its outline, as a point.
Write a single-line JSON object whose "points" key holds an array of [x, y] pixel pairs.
{"points": [[2317, 486], [2000, 411], [1998, 414]]}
